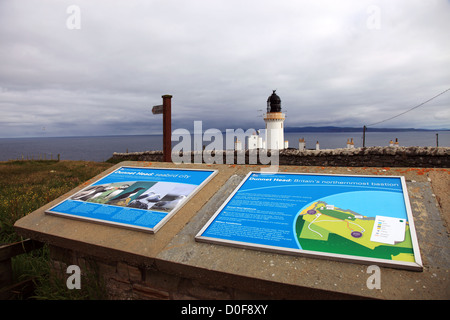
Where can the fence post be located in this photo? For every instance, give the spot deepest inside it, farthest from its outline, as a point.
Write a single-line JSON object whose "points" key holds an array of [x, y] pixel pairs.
{"points": [[6, 276], [8, 251]]}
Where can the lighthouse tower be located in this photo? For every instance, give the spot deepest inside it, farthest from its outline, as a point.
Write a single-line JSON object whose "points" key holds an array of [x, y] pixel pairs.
{"points": [[274, 120]]}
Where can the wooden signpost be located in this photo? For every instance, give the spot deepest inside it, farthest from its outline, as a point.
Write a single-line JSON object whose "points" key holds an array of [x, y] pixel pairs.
{"points": [[166, 110]]}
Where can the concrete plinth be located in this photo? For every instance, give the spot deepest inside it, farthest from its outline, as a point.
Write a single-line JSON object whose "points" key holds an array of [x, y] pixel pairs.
{"points": [[170, 264]]}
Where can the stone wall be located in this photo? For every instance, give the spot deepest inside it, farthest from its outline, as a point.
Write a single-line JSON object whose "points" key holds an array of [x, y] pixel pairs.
{"points": [[417, 157], [122, 280]]}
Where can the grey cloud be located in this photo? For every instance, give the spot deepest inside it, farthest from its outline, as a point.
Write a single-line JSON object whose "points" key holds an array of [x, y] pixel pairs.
{"points": [[220, 60]]}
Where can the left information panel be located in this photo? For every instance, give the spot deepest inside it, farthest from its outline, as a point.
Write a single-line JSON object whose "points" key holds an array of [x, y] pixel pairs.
{"points": [[133, 197]]}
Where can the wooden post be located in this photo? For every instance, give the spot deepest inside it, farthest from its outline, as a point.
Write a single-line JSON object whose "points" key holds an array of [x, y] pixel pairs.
{"points": [[167, 127], [8, 251], [364, 136]]}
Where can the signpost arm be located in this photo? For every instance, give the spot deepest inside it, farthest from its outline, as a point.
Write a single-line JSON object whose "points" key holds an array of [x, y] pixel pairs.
{"points": [[167, 128]]}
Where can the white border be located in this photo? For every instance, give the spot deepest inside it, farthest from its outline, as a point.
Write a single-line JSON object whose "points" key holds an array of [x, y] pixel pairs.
{"points": [[414, 266], [128, 225]]}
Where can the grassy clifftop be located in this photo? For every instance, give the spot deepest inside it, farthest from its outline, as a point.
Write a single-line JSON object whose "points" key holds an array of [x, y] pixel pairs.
{"points": [[24, 187], [28, 185]]}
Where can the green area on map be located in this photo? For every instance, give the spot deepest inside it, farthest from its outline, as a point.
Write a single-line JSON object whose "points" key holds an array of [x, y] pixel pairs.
{"points": [[325, 228]]}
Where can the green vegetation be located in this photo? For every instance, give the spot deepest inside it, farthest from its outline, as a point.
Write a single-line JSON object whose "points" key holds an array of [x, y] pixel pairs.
{"points": [[26, 186]]}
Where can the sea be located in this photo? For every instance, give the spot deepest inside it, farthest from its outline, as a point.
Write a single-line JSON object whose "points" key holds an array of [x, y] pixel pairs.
{"points": [[101, 148]]}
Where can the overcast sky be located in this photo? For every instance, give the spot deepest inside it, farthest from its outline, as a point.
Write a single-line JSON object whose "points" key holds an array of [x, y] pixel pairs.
{"points": [[97, 67]]}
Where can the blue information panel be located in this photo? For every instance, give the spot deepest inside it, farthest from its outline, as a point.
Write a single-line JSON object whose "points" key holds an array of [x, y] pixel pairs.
{"points": [[357, 218], [139, 198]]}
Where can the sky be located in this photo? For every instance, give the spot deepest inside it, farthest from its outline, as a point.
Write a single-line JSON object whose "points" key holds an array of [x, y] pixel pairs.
{"points": [[97, 67]]}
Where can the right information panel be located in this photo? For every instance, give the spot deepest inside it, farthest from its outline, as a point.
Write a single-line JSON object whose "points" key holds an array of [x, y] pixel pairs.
{"points": [[364, 219]]}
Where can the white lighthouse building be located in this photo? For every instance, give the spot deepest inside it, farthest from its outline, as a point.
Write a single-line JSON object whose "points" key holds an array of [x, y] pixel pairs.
{"points": [[274, 120]]}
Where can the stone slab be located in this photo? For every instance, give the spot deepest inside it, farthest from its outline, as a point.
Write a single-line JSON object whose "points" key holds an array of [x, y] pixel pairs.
{"points": [[318, 277], [173, 249]]}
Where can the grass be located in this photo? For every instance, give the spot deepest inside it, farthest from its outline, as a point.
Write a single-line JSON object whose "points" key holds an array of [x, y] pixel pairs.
{"points": [[26, 186]]}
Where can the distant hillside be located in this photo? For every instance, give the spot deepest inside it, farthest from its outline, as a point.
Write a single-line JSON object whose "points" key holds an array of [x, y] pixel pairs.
{"points": [[353, 129]]}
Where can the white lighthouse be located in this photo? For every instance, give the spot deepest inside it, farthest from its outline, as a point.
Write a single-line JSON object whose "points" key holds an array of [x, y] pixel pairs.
{"points": [[274, 120]]}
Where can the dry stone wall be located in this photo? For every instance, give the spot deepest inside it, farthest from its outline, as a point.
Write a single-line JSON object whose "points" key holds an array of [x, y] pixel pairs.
{"points": [[418, 157]]}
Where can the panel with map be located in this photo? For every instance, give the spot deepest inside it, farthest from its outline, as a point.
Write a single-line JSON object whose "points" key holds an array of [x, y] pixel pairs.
{"points": [[345, 217]]}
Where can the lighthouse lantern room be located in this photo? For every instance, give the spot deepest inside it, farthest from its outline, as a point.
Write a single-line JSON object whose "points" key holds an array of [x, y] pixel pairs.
{"points": [[274, 120]]}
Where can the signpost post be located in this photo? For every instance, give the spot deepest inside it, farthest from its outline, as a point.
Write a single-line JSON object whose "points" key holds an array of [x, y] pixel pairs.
{"points": [[166, 110]]}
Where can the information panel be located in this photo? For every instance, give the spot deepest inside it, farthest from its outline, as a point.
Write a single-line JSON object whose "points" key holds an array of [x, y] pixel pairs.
{"points": [[138, 198], [366, 219]]}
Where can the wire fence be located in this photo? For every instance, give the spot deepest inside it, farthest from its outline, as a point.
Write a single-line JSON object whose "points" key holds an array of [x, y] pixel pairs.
{"points": [[39, 157]]}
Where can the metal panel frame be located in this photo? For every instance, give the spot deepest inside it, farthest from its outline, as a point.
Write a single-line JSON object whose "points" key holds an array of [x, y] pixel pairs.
{"points": [[413, 266], [129, 225]]}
